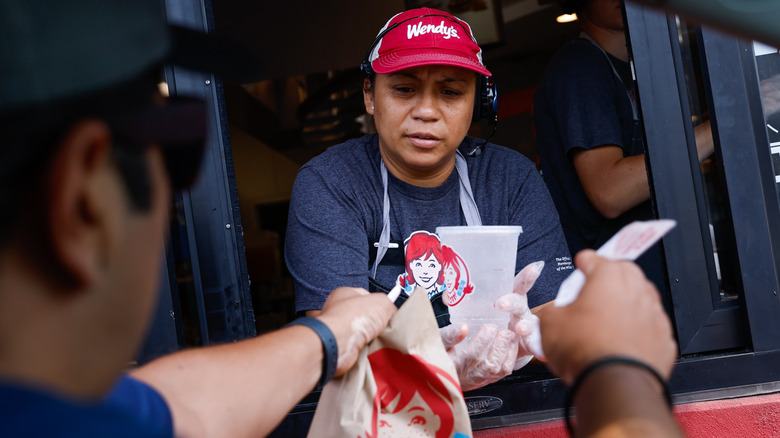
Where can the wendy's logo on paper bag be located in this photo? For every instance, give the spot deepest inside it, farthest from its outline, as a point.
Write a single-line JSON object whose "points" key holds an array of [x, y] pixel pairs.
{"points": [[412, 397], [435, 267]]}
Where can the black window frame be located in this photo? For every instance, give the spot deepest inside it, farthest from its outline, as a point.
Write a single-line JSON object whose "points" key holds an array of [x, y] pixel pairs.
{"points": [[725, 348], [677, 186], [212, 230], [217, 245]]}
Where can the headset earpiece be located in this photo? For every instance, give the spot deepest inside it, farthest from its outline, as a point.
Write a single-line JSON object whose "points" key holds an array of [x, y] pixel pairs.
{"points": [[486, 100], [366, 68], [485, 107]]}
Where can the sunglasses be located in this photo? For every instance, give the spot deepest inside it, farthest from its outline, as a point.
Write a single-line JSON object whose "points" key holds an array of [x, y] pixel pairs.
{"points": [[178, 126]]}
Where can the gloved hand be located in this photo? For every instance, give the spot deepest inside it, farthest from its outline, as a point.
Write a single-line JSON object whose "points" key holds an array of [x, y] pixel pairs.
{"points": [[522, 322], [486, 358], [492, 354]]}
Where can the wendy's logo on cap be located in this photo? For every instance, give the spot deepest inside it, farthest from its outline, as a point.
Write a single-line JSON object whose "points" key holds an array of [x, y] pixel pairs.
{"points": [[432, 37], [414, 30]]}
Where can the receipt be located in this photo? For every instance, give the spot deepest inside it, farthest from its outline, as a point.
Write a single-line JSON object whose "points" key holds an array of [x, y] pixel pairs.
{"points": [[628, 244]]}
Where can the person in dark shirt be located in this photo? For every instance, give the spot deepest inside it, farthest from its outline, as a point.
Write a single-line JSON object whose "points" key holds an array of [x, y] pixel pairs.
{"points": [[589, 134]]}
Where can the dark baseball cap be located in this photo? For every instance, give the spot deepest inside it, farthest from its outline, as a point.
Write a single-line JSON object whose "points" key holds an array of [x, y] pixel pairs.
{"points": [[52, 49], [55, 50]]}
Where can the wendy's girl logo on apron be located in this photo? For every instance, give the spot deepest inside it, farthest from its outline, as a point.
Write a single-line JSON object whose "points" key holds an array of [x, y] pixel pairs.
{"points": [[435, 267]]}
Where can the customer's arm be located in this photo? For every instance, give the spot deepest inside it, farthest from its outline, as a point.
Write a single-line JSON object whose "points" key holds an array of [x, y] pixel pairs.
{"points": [[246, 388], [622, 401]]}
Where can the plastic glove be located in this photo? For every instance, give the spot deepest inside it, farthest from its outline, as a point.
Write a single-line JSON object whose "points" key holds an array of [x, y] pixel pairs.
{"points": [[492, 354], [521, 321], [487, 357]]}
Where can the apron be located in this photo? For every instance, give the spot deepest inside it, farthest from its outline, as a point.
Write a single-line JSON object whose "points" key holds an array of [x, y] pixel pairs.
{"points": [[392, 252]]}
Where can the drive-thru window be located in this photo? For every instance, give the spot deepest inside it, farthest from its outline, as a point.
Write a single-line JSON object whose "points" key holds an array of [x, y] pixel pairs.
{"points": [[225, 278]]}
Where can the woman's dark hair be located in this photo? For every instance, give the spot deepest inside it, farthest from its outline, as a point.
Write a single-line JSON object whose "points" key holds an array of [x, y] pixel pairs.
{"points": [[31, 136]]}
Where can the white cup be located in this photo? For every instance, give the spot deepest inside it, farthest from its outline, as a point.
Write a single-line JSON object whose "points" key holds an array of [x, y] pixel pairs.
{"points": [[489, 253]]}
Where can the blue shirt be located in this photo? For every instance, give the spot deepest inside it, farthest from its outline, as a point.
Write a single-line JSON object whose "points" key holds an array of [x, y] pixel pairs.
{"points": [[132, 410]]}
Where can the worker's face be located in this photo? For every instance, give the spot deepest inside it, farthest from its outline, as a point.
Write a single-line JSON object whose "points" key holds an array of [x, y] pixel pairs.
{"points": [[422, 114], [606, 14]]}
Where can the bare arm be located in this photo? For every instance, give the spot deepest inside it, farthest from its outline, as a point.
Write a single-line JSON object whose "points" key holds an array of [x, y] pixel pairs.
{"points": [[704, 143], [246, 388], [621, 401], [613, 183], [618, 313], [770, 95]]}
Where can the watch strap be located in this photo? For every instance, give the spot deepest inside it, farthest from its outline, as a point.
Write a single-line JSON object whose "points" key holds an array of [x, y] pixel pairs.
{"points": [[329, 346]]}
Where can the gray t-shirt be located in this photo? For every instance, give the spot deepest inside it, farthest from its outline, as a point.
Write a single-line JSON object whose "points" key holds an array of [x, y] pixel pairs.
{"points": [[336, 216]]}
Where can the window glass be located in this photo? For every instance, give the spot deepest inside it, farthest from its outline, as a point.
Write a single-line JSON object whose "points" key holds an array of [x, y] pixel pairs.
{"points": [[189, 321], [715, 196], [768, 67]]}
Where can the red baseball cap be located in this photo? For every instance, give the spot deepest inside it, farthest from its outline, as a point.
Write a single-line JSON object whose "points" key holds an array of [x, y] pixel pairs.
{"points": [[425, 36]]}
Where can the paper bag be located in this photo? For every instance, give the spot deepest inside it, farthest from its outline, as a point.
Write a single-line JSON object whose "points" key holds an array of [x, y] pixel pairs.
{"points": [[404, 384]]}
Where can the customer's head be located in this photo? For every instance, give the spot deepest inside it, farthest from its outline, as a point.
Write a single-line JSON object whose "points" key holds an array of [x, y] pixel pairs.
{"points": [[84, 188]]}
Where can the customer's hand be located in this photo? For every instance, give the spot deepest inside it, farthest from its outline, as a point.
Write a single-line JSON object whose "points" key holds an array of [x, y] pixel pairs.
{"points": [[618, 313], [355, 317]]}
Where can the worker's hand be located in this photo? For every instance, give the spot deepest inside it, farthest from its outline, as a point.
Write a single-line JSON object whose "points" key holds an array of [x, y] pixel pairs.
{"points": [[618, 313], [493, 354], [355, 317], [770, 95], [524, 323], [485, 358]]}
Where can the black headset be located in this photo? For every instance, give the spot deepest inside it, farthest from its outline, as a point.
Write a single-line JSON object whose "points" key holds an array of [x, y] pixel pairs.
{"points": [[571, 6], [486, 100]]}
